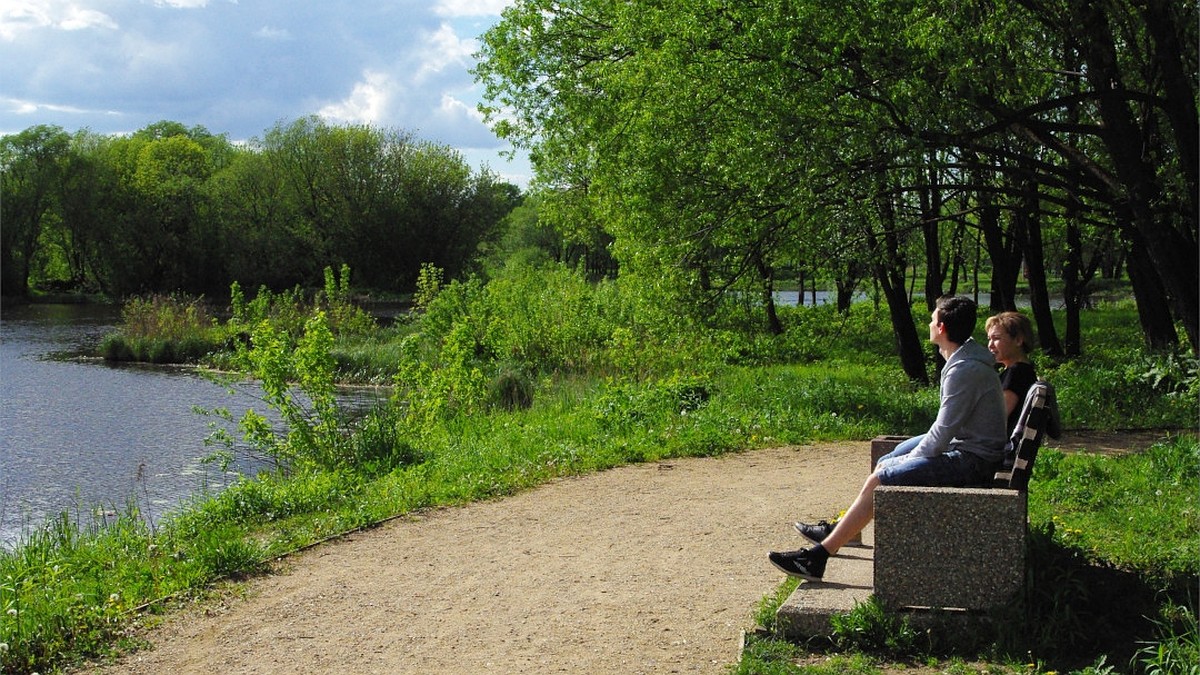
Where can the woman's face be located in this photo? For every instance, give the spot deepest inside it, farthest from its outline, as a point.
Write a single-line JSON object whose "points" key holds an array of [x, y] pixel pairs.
{"points": [[1006, 348]]}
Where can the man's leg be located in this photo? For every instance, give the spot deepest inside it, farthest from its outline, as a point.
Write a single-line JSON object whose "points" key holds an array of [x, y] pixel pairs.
{"points": [[902, 448], [857, 517], [819, 532]]}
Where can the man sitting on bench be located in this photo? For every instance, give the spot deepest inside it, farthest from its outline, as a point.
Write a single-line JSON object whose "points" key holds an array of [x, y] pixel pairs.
{"points": [[965, 446]]}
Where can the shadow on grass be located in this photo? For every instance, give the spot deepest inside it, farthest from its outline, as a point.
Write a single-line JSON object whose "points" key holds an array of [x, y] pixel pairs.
{"points": [[1076, 610]]}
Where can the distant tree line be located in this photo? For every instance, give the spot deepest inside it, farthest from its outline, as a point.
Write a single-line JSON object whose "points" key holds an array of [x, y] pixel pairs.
{"points": [[721, 145], [171, 208]]}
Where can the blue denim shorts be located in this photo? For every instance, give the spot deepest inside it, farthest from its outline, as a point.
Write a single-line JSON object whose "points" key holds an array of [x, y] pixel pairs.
{"points": [[950, 469], [902, 448]]}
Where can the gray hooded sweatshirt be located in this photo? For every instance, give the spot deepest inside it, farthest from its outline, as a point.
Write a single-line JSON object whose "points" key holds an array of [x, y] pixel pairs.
{"points": [[971, 416]]}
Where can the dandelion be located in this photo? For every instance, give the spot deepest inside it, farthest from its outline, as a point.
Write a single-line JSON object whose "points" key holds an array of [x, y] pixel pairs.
{"points": [[3, 647], [12, 612]]}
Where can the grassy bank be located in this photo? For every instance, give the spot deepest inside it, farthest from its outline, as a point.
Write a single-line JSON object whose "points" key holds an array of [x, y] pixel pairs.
{"points": [[505, 385]]}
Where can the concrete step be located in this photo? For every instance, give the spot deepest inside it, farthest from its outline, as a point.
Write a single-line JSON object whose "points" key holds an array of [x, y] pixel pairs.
{"points": [[849, 579]]}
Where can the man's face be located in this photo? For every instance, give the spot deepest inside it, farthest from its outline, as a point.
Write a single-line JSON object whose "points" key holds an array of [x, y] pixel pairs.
{"points": [[933, 326]]}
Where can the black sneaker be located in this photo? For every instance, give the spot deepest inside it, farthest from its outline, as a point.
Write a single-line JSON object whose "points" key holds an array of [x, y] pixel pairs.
{"points": [[814, 533], [798, 564]]}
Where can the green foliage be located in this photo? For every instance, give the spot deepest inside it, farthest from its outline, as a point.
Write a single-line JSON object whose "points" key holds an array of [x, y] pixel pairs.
{"points": [[315, 433], [177, 208], [1118, 383], [765, 615], [222, 552], [862, 334], [869, 628], [494, 397], [511, 389], [1128, 384], [643, 402], [769, 656], [429, 282], [1176, 647], [345, 317], [163, 329], [1122, 526], [637, 116], [268, 498], [68, 592]]}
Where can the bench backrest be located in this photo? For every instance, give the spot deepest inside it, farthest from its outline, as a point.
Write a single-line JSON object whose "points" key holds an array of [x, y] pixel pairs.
{"points": [[1039, 416]]}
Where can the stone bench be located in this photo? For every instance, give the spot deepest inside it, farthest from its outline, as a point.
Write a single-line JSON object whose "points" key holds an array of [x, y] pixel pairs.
{"points": [[959, 548], [931, 548], [950, 548]]}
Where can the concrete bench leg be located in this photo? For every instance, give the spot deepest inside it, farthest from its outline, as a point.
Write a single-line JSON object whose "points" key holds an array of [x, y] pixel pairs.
{"points": [[961, 548]]}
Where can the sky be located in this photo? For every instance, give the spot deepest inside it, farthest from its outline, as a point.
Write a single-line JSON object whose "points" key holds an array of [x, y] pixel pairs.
{"points": [[239, 67]]}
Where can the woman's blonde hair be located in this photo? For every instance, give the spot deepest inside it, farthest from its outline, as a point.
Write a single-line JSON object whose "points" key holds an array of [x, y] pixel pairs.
{"points": [[1016, 325]]}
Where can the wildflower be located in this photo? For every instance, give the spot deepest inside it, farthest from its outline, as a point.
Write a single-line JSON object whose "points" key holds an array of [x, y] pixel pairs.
{"points": [[3, 647], [12, 612]]}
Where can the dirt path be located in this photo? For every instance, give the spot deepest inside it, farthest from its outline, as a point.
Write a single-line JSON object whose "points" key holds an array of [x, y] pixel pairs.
{"points": [[651, 568]]}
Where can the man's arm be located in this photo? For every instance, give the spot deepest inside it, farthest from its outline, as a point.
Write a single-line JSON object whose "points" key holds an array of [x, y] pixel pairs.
{"points": [[958, 404]]}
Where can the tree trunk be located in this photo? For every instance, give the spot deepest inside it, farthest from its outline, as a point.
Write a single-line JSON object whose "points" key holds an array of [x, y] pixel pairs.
{"points": [[1035, 268], [1005, 256], [931, 207], [774, 325], [845, 294], [1154, 313], [1169, 246], [1180, 100], [1072, 289], [889, 266]]}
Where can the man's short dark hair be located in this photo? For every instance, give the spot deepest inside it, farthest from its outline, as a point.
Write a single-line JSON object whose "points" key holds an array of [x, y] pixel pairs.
{"points": [[958, 313]]}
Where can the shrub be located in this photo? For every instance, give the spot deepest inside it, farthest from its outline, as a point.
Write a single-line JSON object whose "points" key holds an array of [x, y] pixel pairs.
{"points": [[511, 389]]}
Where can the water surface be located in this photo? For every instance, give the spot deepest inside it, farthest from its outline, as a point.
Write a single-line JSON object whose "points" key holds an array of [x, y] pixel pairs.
{"points": [[84, 437]]}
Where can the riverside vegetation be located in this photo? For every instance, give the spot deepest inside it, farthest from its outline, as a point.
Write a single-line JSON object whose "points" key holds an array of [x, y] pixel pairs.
{"points": [[539, 373]]}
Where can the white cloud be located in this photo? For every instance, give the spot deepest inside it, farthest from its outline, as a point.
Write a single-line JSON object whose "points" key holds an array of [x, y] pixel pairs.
{"points": [[17, 17], [463, 8], [444, 48], [237, 68], [22, 107], [268, 33], [181, 4], [367, 103], [455, 108]]}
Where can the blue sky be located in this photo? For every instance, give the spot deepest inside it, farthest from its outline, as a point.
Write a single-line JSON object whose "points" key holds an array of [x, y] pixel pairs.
{"points": [[238, 67]]}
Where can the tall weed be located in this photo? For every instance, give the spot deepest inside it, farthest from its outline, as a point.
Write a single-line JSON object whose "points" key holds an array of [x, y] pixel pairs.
{"points": [[1175, 649]]}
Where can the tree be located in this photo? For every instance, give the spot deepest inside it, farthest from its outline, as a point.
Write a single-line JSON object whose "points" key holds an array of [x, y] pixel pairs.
{"points": [[382, 201], [705, 137], [31, 164]]}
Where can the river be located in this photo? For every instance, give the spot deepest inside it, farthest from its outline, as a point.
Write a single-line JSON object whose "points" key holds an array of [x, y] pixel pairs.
{"points": [[83, 437]]}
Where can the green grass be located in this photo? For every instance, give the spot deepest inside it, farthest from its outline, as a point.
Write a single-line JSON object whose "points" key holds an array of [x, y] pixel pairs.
{"points": [[1140, 511]]}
